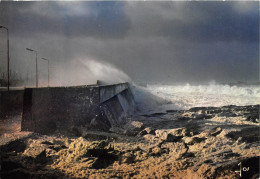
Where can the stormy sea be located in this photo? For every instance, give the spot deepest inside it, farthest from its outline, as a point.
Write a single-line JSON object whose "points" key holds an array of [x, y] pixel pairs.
{"points": [[186, 96], [177, 131]]}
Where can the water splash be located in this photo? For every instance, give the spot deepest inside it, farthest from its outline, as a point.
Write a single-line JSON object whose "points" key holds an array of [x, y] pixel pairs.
{"points": [[87, 71], [163, 97]]}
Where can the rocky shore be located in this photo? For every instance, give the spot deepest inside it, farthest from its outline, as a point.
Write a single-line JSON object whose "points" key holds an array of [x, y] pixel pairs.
{"points": [[202, 142]]}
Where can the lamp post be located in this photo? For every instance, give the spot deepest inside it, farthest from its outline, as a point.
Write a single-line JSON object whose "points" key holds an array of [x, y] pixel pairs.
{"points": [[48, 71], [36, 66], [8, 83]]}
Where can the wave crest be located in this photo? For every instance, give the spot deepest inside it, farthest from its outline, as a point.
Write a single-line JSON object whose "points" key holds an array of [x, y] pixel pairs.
{"points": [[163, 97]]}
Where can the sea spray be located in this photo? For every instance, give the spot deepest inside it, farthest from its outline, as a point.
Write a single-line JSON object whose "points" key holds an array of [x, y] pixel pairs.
{"points": [[85, 72], [148, 102], [157, 97]]}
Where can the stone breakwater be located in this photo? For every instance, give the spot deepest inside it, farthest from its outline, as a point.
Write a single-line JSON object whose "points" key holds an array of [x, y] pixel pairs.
{"points": [[203, 142]]}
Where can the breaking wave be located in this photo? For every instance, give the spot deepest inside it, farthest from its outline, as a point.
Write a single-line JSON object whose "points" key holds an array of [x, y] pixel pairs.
{"points": [[163, 97], [86, 72]]}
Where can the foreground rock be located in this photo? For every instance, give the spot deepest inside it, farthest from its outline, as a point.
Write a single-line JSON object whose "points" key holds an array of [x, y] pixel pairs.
{"points": [[150, 147]]}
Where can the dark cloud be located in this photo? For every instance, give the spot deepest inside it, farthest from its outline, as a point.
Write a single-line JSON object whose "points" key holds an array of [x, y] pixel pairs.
{"points": [[150, 41], [197, 21], [105, 19]]}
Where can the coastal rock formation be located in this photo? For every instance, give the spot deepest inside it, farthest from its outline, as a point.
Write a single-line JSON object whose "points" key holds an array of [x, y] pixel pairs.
{"points": [[184, 145]]}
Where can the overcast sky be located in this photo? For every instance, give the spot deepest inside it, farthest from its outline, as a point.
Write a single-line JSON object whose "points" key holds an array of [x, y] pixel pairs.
{"points": [[148, 41]]}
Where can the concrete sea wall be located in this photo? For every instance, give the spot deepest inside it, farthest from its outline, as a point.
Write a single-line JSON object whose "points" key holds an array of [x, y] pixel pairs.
{"points": [[99, 107]]}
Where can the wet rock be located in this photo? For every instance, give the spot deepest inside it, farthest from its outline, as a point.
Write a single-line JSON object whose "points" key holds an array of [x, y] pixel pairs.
{"points": [[156, 151], [137, 148], [208, 161], [133, 128], [227, 114], [213, 111], [171, 111], [128, 158], [67, 142], [201, 116], [227, 154], [87, 154], [16, 145], [184, 118], [157, 114], [37, 152], [177, 149], [103, 157], [198, 115], [250, 134], [166, 136], [139, 155], [230, 155], [193, 140], [50, 152], [201, 111], [143, 132], [117, 130], [100, 123], [150, 130], [188, 155], [41, 158], [10, 165], [147, 130], [47, 143], [61, 142], [216, 131], [212, 132], [180, 132], [150, 137], [187, 115], [160, 133], [196, 109], [92, 137], [57, 147], [17, 173], [252, 163], [253, 118]]}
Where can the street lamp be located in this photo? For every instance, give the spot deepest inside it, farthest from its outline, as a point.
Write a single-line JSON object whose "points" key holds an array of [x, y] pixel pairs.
{"points": [[36, 66], [48, 71], [8, 83]]}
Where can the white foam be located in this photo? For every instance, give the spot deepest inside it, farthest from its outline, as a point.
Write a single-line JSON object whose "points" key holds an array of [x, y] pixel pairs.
{"points": [[162, 97]]}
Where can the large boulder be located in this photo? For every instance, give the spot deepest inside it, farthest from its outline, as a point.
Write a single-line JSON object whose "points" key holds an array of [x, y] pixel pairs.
{"points": [[180, 132], [164, 135], [133, 128], [193, 140], [147, 130]]}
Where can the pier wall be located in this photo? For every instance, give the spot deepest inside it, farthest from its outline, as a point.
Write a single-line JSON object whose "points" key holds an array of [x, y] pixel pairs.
{"points": [[46, 110]]}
